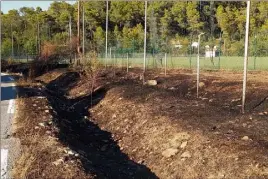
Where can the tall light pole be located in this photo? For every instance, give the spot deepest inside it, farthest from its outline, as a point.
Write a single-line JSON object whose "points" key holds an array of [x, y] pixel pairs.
{"points": [[198, 65], [106, 38], [145, 31], [245, 59]]}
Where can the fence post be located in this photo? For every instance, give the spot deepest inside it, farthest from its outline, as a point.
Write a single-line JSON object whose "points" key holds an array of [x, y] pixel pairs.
{"points": [[165, 64], [255, 52], [245, 58], [127, 63], [219, 65], [110, 55], [198, 66]]}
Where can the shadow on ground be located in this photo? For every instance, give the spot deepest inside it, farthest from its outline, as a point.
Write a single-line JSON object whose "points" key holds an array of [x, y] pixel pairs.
{"points": [[100, 154]]}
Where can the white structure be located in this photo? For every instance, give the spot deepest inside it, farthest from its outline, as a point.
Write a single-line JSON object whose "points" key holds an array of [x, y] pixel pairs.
{"points": [[211, 53], [195, 44]]}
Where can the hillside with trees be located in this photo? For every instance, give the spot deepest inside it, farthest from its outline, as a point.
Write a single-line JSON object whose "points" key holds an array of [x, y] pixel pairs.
{"points": [[168, 23]]}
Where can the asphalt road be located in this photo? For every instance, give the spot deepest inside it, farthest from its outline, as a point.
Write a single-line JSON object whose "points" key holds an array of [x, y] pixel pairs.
{"points": [[9, 145]]}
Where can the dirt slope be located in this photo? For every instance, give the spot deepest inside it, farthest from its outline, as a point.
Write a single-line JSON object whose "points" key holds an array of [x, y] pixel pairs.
{"points": [[129, 130]]}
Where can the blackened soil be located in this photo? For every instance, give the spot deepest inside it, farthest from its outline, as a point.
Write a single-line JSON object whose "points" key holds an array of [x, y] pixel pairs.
{"points": [[99, 152]]}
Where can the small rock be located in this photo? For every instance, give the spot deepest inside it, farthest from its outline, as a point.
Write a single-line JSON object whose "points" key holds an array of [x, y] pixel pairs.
{"points": [[85, 117], [76, 155], [186, 154], [245, 138], [49, 122], [244, 125], [36, 127], [141, 161], [172, 88], [114, 116], [261, 114], [34, 105], [170, 152], [65, 151], [211, 100], [48, 132], [151, 82], [70, 152], [183, 159], [46, 111], [265, 112], [204, 98], [236, 158], [41, 124], [183, 145], [57, 162], [230, 131], [201, 84], [236, 100]]}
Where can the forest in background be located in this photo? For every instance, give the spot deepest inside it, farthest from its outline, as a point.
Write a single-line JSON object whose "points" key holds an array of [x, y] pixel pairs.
{"points": [[168, 24]]}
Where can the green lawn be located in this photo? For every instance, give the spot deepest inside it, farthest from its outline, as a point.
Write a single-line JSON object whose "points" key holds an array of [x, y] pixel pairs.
{"points": [[228, 63]]}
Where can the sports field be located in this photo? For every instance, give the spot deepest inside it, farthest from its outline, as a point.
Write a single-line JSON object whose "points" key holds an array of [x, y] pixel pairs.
{"points": [[224, 62]]}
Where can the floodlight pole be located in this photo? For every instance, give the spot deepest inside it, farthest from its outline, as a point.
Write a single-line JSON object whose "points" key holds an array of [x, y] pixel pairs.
{"points": [[145, 31], [245, 59], [106, 37], [198, 66]]}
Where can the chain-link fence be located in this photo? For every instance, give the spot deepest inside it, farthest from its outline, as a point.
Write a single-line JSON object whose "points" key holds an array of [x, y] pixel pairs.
{"points": [[172, 30]]}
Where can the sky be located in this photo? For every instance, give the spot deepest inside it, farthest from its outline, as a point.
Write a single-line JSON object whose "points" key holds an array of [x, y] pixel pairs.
{"points": [[7, 5]]}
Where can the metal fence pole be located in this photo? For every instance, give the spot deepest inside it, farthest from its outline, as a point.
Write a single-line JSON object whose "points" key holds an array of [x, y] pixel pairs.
{"points": [[165, 64], [106, 36], [83, 42], [255, 52], [110, 54], [145, 31], [219, 65], [127, 63], [245, 59], [198, 66]]}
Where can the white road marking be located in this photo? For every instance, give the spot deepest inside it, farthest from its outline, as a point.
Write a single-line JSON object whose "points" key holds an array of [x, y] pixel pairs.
{"points": [[4, 153], [10, 109]]}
